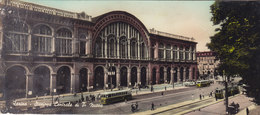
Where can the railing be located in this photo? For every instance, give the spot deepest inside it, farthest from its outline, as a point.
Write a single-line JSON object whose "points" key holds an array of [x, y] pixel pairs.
{"points": [[153, 31], [47, 10]]}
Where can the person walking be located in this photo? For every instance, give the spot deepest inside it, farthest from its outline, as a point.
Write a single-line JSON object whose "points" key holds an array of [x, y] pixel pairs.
{"points": [[200, 96], [247, 111], [152, 108]]}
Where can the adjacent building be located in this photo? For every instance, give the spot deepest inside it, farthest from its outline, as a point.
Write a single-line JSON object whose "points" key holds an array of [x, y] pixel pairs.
{"points": [[207, 64], [47, 51]]}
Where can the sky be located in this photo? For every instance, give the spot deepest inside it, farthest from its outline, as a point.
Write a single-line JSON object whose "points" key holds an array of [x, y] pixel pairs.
{"points": [[186, 18]]}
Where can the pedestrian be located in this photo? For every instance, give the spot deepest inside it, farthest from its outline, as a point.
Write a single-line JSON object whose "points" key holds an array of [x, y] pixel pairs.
{"points": [[136, 105], [152, 108], [216, 98], [203, 96], [247, 111], [162, 93], [200, 96], [165, 88], [152, 89]]}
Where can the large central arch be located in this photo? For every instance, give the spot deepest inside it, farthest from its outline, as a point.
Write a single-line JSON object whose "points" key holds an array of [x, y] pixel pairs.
{"points": [[124, 27]]}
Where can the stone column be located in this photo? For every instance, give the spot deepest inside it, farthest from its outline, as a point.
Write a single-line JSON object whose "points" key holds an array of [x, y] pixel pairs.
{"points": [[105, 79], [178, 75], [53, 89], [29, 85], [157, 76], [72, 83], [165, 75], [156, 51], [190, 77], [2, 86], [138, 47], [88, 44], [117, 49], [128, 77], [77, 83], [117, 77], [172, 80], [138, 76], [129, 51], [89, 76], [184, 74], [106, 55]]}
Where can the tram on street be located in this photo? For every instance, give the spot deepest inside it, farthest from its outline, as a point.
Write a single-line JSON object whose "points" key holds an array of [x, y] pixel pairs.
{"points": [[115, 96], [203, 83], [219, 93]]}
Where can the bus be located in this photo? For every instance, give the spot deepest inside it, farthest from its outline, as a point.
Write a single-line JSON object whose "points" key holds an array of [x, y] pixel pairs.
{"points": [[203, 83], [115, 96]]}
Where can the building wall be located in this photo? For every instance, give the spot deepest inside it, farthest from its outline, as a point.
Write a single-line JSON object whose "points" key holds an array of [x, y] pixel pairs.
{"points": [[51, 51], [207, 63]]}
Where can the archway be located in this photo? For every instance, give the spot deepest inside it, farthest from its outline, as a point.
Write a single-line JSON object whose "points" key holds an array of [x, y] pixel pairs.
{"points": [[15, 83], [154, 76], [161, 75], [99, 78], [175, 74], [143, 76], [168, 75], [63, 80], [181, 74], [133, 76], [83, 79], [41, 81], [193, 73], [187, 73], [123, 76]]}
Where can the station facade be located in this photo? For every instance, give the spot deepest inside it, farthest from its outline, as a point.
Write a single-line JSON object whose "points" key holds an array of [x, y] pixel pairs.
{"points": [[47, 51]]}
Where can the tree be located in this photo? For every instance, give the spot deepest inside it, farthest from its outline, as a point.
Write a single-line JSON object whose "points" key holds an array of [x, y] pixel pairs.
{"points": [[237, 40]]}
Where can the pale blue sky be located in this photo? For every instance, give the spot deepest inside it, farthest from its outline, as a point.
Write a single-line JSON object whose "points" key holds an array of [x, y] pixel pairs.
{"points": [[187, 18]]}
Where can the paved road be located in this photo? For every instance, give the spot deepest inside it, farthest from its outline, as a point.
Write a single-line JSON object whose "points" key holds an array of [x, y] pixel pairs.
{"points": [[144, 102]]}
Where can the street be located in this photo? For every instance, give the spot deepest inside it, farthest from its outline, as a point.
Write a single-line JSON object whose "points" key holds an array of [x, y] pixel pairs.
{"points": [[144, 102]]}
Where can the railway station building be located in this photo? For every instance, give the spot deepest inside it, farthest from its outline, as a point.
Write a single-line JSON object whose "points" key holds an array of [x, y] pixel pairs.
{"points": [[46, 51]]}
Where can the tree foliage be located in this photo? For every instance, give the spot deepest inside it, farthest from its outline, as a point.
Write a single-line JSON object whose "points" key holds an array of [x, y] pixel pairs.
{"points": [[237, 40]]}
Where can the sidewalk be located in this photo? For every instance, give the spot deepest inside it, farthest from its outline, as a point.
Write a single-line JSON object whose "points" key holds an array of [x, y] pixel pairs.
{"points": [[253, 110], [213, 108], [71, 98]]}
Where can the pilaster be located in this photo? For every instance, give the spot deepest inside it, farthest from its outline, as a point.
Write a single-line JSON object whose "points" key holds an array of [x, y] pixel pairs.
{"points": [[29, 85], [138, 76], [53, 89], [165, 75], [117, 77]]}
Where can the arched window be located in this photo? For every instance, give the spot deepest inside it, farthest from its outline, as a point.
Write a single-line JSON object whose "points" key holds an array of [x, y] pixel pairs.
{"points": [[64, 42], [98, 47], [82, 44], [133, 48], [175, 56], [161, 51], [142, 50], [181, 53], [193, 53], [123, 47], [111, 44], [16, 38], [42, 39], [168, 51]]}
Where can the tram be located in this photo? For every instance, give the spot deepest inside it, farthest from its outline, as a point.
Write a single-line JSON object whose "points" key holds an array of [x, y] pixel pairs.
{"points": [[203, 83], [115, 96], [219, 93]]}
